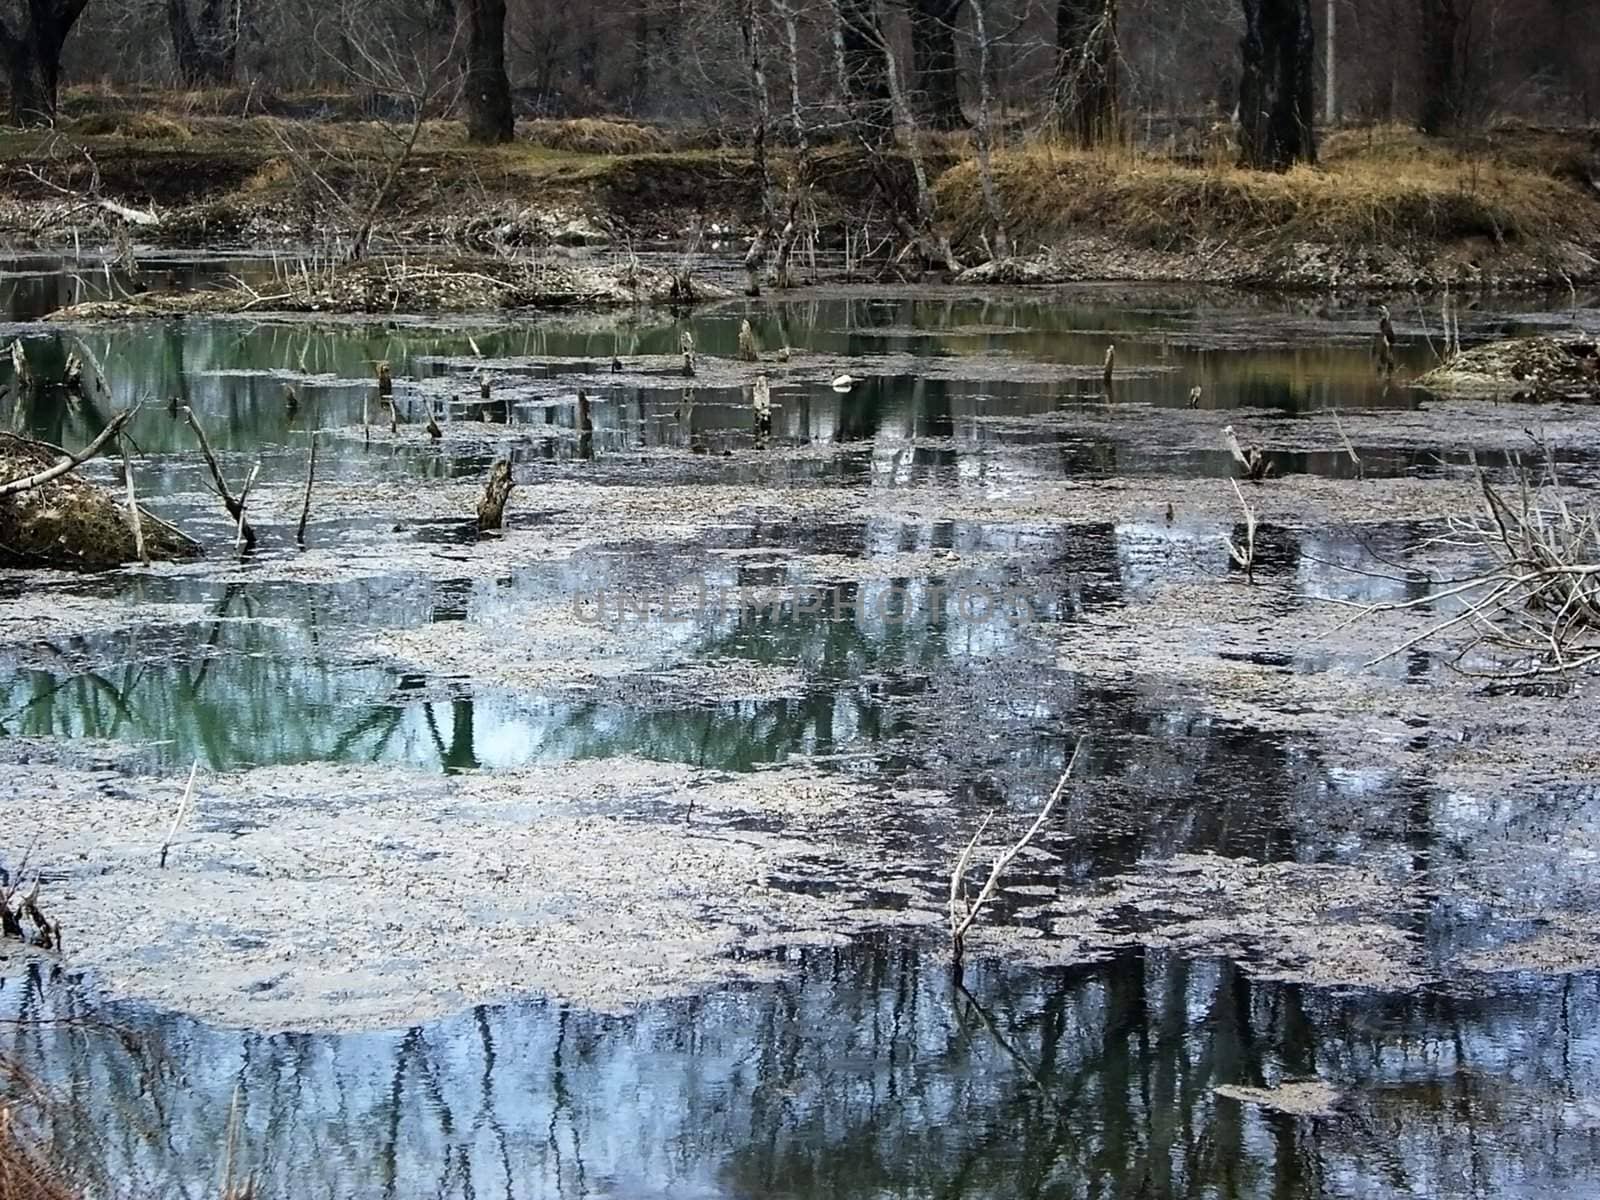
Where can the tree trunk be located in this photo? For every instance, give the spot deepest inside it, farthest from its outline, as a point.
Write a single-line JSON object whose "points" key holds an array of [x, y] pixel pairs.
{"points": [[487, 89], [865, 75], [204, 47], [1277, 89], [933, 62], [33, 57], [1086, 43], [1441, 67]]}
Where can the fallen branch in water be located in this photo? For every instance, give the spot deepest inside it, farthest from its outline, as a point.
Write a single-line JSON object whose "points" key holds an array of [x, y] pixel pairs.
{"points": [[964, 912], [73, 461]]}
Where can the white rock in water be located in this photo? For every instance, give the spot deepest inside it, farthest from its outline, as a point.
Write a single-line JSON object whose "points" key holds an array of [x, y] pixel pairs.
{"points": [[844, 383]]}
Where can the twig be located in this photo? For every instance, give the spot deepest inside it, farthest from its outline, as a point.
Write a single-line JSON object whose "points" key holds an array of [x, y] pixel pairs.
{"points": [[183, 804], [963, 913], [305, 507]]}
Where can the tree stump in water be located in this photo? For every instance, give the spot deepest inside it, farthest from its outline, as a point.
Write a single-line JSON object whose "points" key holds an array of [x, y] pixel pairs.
{"points": [[492, 508], [748, 350]]}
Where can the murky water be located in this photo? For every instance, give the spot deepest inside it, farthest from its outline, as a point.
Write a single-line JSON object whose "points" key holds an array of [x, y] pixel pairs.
{"points": [[864, 1073]]}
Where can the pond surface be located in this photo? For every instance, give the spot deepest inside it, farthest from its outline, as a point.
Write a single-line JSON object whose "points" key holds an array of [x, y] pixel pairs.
{"points": [[864, 1071]]}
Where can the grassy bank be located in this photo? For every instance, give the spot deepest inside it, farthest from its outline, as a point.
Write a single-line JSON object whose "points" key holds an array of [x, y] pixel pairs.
{"points": [[1524, 205], [1385, 208]]}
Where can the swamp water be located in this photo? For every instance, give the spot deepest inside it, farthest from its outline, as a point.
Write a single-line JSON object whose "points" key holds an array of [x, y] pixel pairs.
{"points": [[836, 1066]]}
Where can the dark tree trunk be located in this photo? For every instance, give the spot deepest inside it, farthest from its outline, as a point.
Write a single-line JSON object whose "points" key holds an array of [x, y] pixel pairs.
{"points": [[205, 46], [1086, 45], [487, 89], [866, 72], [1441, 66], [1277, 88], [933, 62], [33, 57], [589, 58]]}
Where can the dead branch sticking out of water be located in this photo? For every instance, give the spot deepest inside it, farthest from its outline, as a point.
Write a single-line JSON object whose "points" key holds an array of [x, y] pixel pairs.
{"points": [[492, 508], [305, 506], [47, 933], [964, 912], [235, 507], [177, 817], [73, 461], [1536, 610], [134, 521], [1349, 448], [1244, 556], [1256, 465]]}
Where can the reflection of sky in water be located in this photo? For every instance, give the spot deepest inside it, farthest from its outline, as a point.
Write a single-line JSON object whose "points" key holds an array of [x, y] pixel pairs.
{"points": [[861, 1075]]}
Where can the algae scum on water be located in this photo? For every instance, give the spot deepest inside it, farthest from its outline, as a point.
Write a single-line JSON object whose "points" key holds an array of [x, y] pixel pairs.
{"points": [[609, 854]]}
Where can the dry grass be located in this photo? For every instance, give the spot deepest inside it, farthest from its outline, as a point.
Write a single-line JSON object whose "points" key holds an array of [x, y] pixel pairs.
{"points": [[1372, 189], [596, 135]]}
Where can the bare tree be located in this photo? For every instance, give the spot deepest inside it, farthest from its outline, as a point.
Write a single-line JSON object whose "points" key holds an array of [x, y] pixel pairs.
{"points": [[1086, 40], [991, 196], [405, 65], [32, 34], [205, 41], [1276, 89], [800, 183], [750, 32]]}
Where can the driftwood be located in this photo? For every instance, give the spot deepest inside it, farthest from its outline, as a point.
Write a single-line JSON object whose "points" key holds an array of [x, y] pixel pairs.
{"points": [[492, 508]]}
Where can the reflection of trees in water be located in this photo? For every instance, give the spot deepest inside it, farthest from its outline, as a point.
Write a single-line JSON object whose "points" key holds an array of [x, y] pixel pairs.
{"points": [[862, 1075]]}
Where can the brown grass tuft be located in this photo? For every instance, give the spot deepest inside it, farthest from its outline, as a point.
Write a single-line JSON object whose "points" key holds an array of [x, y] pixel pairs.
{"points": [[595, 135]]}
